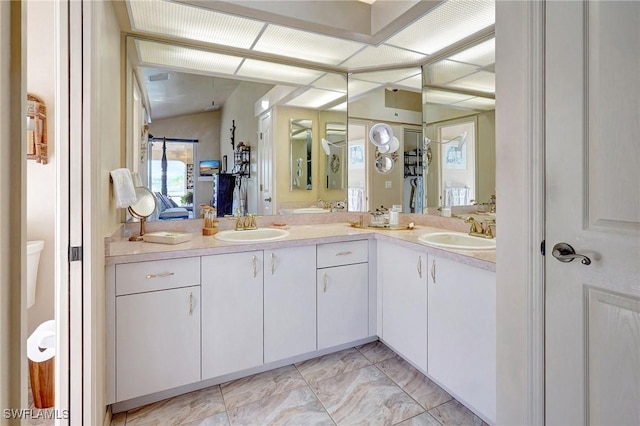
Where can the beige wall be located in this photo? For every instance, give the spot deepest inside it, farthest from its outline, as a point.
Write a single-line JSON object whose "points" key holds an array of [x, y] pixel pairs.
{"points": [[106, 149], [205, 127], [371, 107], [282, 152], [240, 107], [41, 178], [13, 360]]}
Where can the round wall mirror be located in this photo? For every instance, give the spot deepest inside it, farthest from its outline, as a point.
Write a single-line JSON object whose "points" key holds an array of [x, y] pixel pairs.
{"points": [[144, 207], [384, 164]]}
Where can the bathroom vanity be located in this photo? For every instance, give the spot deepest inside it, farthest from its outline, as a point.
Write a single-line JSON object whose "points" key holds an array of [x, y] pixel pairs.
{"points": [[204, 312]]}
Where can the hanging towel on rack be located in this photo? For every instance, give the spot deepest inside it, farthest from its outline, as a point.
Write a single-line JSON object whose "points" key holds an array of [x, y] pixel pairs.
{"points": [[124, 193]]}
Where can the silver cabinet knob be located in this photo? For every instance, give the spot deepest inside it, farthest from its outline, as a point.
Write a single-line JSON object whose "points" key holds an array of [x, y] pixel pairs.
{"points": [[565, 253]]}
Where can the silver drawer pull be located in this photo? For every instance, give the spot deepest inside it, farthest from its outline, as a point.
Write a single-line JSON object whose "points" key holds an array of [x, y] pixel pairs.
{"points": [[190, 303], [344, 253], [433, 271], [255, 266], [162, 275]]}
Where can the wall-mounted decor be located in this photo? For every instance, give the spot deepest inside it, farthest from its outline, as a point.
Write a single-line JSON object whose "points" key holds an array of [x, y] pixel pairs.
{"points": [[36, 129]]}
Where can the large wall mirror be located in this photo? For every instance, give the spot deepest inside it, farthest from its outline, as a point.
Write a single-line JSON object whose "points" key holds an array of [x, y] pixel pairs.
{"points": [[459, 125], [227, 103]]}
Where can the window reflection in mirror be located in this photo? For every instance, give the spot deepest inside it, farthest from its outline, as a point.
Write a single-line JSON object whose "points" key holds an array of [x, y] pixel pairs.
{"points": [[301, 145]]}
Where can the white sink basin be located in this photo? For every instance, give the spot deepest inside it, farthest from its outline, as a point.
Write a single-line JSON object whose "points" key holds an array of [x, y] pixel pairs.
{"points": [[457, 240], [310, 210], [251, 235]]}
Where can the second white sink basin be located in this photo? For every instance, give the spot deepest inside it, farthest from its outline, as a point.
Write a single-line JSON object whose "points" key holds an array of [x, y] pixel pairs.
{"points": [[457, 240], [251, 235], [304, 210]]}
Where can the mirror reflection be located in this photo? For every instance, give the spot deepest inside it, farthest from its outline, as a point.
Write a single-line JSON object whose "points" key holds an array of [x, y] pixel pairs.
{"points": [[334, 145], [459, 128], [301, 143]]}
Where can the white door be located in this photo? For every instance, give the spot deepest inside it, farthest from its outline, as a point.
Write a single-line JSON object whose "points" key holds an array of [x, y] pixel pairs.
{"points": [[593, 204], [266, 192], [289, 302]]}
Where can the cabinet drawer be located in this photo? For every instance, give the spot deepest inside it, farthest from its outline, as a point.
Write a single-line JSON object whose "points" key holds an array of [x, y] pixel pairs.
{"points": [[337, 254], [157, 275]]}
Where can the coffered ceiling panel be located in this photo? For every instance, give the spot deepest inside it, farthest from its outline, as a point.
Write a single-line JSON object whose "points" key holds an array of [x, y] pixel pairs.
{"points": [[431, 96], [482, 80], [184, 58], [332, 81], [413, 83], [446, 71], [382, 55], [478, 103], [482, 54], [388, 76], [314, 98], [358, 87], [305, 45], [178, 20], [269, 71], [448, 23]]}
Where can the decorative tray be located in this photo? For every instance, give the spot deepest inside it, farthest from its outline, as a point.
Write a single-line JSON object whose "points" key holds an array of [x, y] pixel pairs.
{"points": [[167, 237]]}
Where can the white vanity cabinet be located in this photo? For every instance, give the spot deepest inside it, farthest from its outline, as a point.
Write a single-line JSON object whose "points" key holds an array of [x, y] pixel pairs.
{"points": [[157, 306], [403, 275], [232, 315], [462, 333], [342, 292], [289, 302]]}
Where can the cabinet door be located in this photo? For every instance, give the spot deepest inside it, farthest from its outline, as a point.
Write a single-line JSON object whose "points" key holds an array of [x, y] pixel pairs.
{"points": [[231, 313], [343, 301], [462, 332], [157, 341], [289, 302], [403, 273]]}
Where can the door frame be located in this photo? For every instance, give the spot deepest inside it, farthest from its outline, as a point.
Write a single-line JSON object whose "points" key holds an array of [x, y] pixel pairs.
{"points": [[520, 178]]}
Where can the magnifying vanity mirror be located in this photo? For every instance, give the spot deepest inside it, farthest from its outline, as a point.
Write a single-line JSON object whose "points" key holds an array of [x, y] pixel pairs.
{"points": [[143, 208]]}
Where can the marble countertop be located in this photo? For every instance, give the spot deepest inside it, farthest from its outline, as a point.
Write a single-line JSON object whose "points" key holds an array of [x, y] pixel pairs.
{"points": [[120, 250]]}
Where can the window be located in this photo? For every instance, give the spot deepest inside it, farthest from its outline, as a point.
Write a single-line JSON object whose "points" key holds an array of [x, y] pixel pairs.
{"points": [[179, 170]]}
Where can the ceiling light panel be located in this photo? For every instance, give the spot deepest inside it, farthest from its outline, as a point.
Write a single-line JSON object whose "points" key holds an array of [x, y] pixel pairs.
{"points": [[478, 103], [305, 45], [448, 23], [358, 87], [339, 107], [152, 53], [446, 71], [332, 81], [443, 97], [381, 56], [388, 76], [277, 72], [413, 83], [482, 54], [314, 98], [482, 80], [179, 20]]}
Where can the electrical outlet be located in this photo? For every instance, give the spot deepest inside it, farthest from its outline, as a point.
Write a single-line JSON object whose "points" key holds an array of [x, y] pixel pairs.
{"points": [[387, 184]]}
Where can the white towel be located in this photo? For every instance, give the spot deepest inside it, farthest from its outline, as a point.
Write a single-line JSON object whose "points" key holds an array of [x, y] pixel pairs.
{"points": [[124, 193]]}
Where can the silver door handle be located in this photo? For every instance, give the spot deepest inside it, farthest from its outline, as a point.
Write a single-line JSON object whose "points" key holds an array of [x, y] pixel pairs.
{"points": [[326, 281], [268, 199], [273, 263], [565, 253], [255, 266], [419, 266], [190, 303], [433, 271]]}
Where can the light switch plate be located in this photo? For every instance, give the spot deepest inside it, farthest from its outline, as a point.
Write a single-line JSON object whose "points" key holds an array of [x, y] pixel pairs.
{"points": [[387, 184]]}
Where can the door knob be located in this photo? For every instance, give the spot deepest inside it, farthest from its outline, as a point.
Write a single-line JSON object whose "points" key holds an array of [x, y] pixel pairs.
{"points": [[565, 253], [268, 199]]}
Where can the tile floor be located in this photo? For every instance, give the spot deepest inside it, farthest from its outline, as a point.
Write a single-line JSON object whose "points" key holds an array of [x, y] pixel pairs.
{"points": [[368, 384]]}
